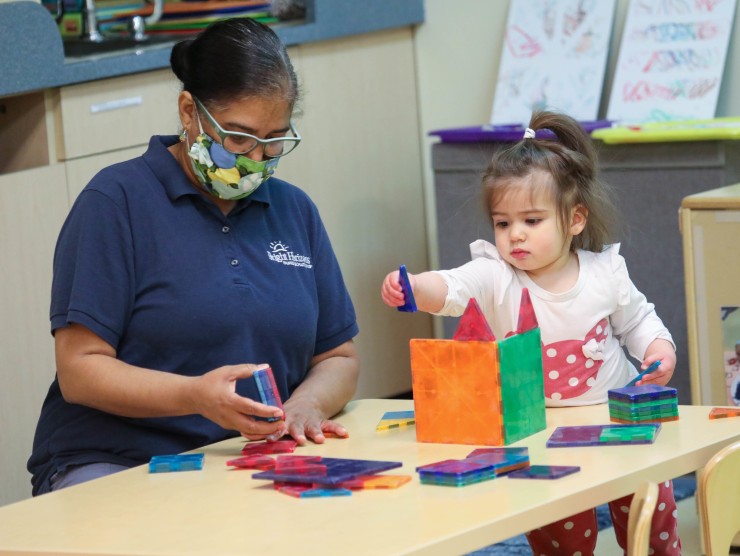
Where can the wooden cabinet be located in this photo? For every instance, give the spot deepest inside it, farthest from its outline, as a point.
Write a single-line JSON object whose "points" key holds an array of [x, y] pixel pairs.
{"points": [[115, 114], [33, 205], [710, 227]]}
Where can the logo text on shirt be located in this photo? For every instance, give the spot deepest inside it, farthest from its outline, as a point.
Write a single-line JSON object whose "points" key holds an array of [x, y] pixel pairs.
{"points": [[281, 253]]}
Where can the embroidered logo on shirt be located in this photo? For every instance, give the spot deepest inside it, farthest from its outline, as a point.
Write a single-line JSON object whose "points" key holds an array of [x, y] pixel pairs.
{"points": [[281, 253]]}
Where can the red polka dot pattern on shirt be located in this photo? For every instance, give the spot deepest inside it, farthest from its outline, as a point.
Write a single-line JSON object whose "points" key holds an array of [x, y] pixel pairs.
{"points": [[571, 366]]}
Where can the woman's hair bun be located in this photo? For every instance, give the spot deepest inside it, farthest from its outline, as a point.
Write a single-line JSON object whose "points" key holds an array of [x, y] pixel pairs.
{"points": [[179, 59]]}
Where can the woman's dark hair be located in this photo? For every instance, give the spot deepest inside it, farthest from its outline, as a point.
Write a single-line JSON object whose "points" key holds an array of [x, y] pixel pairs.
{"points": [[571, 161], [234, 59]]}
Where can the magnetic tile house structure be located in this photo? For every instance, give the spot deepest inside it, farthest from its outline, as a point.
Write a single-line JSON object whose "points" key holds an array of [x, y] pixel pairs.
{"points": [[474, 389]]}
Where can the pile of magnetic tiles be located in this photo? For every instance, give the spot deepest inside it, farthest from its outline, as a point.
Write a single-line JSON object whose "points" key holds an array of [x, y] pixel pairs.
{"points": [[643, 404]]}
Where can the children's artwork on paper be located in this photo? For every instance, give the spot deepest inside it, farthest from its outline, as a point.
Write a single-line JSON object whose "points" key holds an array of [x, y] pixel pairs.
{"points": [[671, 60], [554, 57], [731, 348]]}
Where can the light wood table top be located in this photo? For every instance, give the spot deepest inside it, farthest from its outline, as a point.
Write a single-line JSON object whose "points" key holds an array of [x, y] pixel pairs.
{"points": [[223, 511], [727, 198]]}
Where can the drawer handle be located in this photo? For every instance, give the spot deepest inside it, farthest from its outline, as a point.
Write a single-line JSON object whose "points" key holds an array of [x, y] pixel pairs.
{"points": [[115, 104]]}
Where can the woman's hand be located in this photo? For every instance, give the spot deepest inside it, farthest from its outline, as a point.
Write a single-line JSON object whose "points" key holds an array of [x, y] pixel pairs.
{"points": [[214, 396], [659, 350], [329, 384], [305, 422]]}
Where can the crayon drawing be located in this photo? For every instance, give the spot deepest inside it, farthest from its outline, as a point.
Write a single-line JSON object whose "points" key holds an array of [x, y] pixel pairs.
{"points": [[671, 60], [554, 57]]}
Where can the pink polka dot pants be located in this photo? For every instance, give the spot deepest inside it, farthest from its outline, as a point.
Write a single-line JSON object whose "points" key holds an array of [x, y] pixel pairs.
{"points": [[576, 535]]}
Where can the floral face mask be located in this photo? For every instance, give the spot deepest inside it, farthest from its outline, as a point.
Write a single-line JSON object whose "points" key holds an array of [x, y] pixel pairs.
{"points": [[226, 175]]}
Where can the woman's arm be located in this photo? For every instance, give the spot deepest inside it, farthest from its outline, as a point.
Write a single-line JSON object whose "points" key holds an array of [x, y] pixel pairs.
{"points": [[329, 385], [91, 375]]}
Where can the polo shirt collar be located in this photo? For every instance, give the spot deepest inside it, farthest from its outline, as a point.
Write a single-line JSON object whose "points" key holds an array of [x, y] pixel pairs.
{"points": [[175, 182]]}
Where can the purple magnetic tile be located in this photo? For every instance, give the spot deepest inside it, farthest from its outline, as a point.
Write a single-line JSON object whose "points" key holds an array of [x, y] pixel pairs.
{"points": [[502, 464], [307, 469], [544, 472], [506, 452], [456, 480], [504, 133], [436, 464], [590, 435], [409, 303], [645, 392], [454, 467], [337, 470]]}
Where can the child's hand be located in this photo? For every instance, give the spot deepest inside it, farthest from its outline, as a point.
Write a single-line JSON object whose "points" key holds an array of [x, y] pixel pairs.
{"points": [[659, 350], [391, 291]]}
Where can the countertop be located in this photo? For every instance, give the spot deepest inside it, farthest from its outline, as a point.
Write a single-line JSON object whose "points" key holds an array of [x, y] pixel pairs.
{"points": [[32, 55]]}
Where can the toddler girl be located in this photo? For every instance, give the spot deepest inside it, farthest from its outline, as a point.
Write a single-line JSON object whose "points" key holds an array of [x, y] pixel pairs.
{"points": [[552, 221]]}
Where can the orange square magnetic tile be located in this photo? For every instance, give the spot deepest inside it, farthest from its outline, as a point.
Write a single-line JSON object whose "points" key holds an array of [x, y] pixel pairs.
{"points": [[457, 392]]}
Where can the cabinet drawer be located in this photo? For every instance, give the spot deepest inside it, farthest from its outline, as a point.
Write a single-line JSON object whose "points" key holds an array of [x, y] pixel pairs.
{"points": [[116, 113]]}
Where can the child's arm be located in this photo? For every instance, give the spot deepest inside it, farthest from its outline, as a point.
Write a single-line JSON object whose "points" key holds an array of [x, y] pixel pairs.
{"points": [[663, 351], [430, 291]]}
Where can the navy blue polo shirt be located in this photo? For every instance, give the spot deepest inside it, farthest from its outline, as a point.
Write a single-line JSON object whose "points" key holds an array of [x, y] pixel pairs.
{"points": [[155, 269]]}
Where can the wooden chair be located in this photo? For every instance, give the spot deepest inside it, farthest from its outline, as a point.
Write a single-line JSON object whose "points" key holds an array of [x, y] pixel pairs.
{"points": [[718, 498], [640, 517]]}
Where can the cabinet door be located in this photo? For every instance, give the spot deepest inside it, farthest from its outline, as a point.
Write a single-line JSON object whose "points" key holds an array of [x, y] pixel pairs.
{"points": [[712, 269], [360, 161], [116, 113], [33, 205], [81, 170]]}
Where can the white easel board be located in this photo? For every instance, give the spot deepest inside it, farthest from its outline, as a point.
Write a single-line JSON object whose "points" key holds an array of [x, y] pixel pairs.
{"points": [[554, 57], [671, 60]]}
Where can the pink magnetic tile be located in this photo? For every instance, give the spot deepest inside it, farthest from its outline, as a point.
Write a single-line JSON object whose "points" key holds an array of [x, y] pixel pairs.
{"points": [[294, 490], [252, 462], [264, 447], [296, 461]]}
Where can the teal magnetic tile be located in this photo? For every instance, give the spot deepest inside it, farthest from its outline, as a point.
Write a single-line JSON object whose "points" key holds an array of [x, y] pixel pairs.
{"points": [[174, 463]]}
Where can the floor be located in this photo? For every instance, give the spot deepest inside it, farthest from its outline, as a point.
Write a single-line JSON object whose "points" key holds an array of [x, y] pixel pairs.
{"points": [[688, 530]]}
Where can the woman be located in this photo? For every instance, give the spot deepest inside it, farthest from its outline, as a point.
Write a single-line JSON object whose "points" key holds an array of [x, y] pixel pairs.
{"points": [[179, 273]]}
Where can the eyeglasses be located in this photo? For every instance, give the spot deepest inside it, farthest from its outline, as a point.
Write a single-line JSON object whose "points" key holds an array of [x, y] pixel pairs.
{"points": [[242, 143]]}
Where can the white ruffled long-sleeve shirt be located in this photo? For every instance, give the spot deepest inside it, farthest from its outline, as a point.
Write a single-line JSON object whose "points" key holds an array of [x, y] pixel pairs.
{"points": [[582, 329]]}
